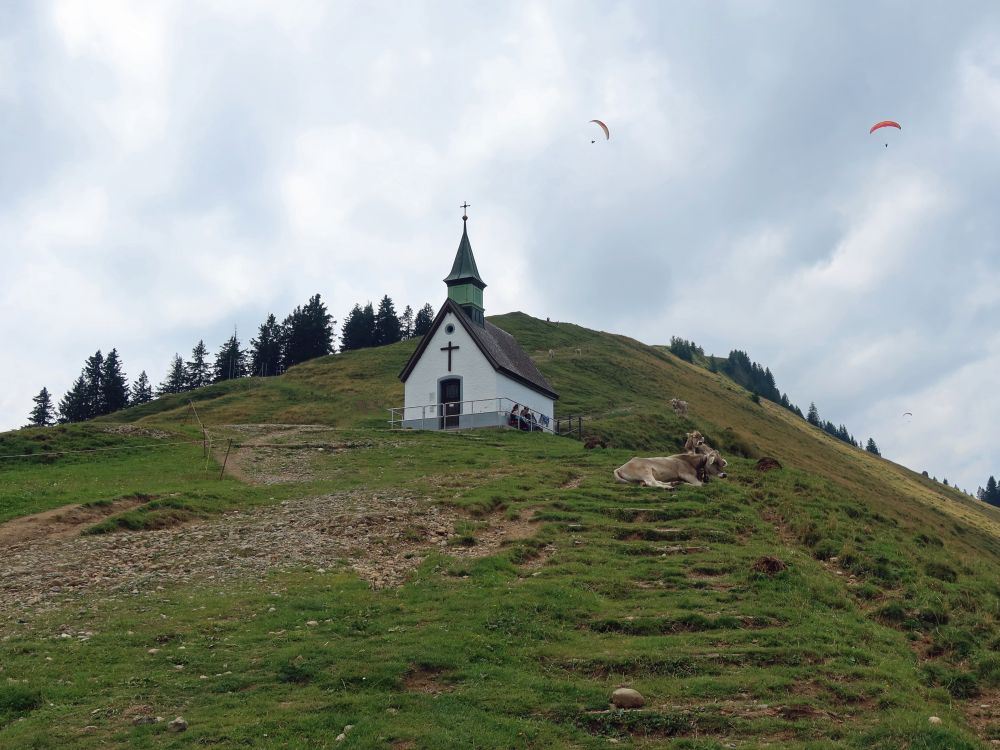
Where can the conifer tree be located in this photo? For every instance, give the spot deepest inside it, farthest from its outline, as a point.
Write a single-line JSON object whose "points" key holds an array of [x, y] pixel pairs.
{"points": [[73, 406], [142, 392], [308, 332], [356, 333], [197, 370], [368, 316], [406, 323], [386, 323], [175, 382], [114, 386], [265, 350], [991, 494], [813, 415], [93, 374], [230, 362], [871, 447], [422, 323], [43, 414]]}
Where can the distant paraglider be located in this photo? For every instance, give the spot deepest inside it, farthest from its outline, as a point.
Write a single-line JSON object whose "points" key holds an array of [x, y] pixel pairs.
{"points": [[607, 133], [907, 416], [885, 124]]}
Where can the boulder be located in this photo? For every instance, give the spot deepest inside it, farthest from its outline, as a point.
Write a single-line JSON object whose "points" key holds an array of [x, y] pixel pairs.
{"points": [[177, 725], [627, 698]]}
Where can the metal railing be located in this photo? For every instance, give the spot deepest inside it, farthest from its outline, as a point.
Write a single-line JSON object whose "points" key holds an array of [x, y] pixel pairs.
{"points": [[466, 415]]}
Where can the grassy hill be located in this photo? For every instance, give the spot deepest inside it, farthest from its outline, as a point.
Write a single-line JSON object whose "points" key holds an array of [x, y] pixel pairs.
{"points": [[550, 586]]}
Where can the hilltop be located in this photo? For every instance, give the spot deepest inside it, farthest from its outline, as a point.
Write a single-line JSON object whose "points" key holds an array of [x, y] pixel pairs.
{"points": [[487, 588]]}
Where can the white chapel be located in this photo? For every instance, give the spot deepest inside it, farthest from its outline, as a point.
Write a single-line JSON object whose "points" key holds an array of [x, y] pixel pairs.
{"points": [[466, 372]]}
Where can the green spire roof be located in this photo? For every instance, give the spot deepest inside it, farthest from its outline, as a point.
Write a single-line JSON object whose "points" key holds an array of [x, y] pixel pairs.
{"points": [[464, 270]]}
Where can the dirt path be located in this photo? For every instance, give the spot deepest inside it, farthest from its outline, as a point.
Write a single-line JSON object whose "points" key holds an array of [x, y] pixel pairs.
{"points": [[381, 536], [61, 522], [276, 454]]}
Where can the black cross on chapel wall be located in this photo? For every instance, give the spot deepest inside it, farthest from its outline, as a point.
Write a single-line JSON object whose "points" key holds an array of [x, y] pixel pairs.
{"points": [[449, 349]]}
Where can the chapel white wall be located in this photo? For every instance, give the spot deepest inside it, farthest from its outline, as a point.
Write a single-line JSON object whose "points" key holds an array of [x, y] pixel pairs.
{"points": [[468, 363], [523, 395]]}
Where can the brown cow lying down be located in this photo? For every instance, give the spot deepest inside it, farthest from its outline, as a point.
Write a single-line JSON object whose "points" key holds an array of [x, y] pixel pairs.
{"points": [[669, 471]]}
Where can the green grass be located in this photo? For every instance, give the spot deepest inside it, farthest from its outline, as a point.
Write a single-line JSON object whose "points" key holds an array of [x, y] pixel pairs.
{"points": [[886, 613]]}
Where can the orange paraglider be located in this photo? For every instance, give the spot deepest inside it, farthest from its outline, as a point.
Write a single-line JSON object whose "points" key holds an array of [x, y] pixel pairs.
{"points": [[607, 133], [885, 124]]}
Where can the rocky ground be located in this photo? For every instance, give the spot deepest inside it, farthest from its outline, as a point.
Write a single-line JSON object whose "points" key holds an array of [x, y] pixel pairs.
{"points": [[380, 536]]}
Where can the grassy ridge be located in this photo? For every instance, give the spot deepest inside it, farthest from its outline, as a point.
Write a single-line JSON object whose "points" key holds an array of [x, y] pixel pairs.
{"points": [[888, 611], [522, 648]]}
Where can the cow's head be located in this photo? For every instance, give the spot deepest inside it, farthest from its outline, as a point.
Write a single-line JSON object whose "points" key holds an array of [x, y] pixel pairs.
{"points": [[715, 464], [694, 439]]}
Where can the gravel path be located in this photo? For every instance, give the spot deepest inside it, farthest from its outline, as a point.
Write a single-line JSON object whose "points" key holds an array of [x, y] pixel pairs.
{"points": [[382, 537]]}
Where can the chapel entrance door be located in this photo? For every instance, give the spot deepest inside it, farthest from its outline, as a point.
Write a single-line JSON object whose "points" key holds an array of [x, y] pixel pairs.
{"points": [[450, 398]]}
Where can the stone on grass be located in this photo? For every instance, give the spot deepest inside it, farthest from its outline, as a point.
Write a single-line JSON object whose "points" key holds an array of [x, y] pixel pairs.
{"points": [[627, 698], [177, 725], [934, 719]]}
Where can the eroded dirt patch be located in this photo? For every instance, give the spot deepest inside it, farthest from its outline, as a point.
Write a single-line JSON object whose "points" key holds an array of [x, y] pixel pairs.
{"points": [[278, 454], [63, 522], [427, 680], [134, 430], [382, 537]]}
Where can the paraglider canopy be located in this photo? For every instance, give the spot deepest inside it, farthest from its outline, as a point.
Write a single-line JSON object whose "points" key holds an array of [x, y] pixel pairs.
{"points": [[607, 133], [885, 124]]}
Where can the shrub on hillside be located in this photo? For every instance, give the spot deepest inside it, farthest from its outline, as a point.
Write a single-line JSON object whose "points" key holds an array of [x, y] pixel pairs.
{"points": [[988, 670], [941, 571], [16, 701]]}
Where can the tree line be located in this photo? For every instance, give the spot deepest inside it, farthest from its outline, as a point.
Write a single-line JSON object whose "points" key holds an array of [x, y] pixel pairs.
{"points": [[305, 333], [991, 493], [759, 380]]}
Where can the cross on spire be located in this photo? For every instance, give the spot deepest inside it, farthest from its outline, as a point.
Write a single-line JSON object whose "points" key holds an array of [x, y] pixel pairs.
{"points": [[465, 213]]}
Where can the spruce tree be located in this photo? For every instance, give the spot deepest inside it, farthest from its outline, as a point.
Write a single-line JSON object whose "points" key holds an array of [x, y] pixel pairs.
{"points": [[991, 494], [422, 323], [871, 447], [230, 362], [42, 415], [406, 323], [73, 406], [142, 392], [813, 416], [368, 316], [265, 350], [197, 370], [175, 382], [355, 333], [114, 386], [93, 375], [386, 323], [308, 332]]}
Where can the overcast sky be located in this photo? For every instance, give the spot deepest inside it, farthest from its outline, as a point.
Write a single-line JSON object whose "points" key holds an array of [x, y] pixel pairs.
{"points": [[170, 170]]}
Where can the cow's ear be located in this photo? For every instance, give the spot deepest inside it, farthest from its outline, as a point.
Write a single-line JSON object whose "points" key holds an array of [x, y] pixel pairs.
{"points": [[711, 459]]}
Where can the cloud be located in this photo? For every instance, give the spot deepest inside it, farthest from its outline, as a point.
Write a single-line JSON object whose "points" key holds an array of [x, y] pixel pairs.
{"points": [[172, 170], [978, 110]]}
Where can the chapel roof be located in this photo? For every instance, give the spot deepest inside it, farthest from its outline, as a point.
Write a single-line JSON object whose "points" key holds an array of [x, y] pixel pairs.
{"points": [[499, 347]]}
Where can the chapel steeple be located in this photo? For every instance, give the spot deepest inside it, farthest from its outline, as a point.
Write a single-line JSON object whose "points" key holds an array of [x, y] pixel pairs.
{"points": [[465, 287]]}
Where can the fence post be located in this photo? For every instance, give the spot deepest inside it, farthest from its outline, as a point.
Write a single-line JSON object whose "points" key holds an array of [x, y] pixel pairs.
{"points": [[226, 459]]}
